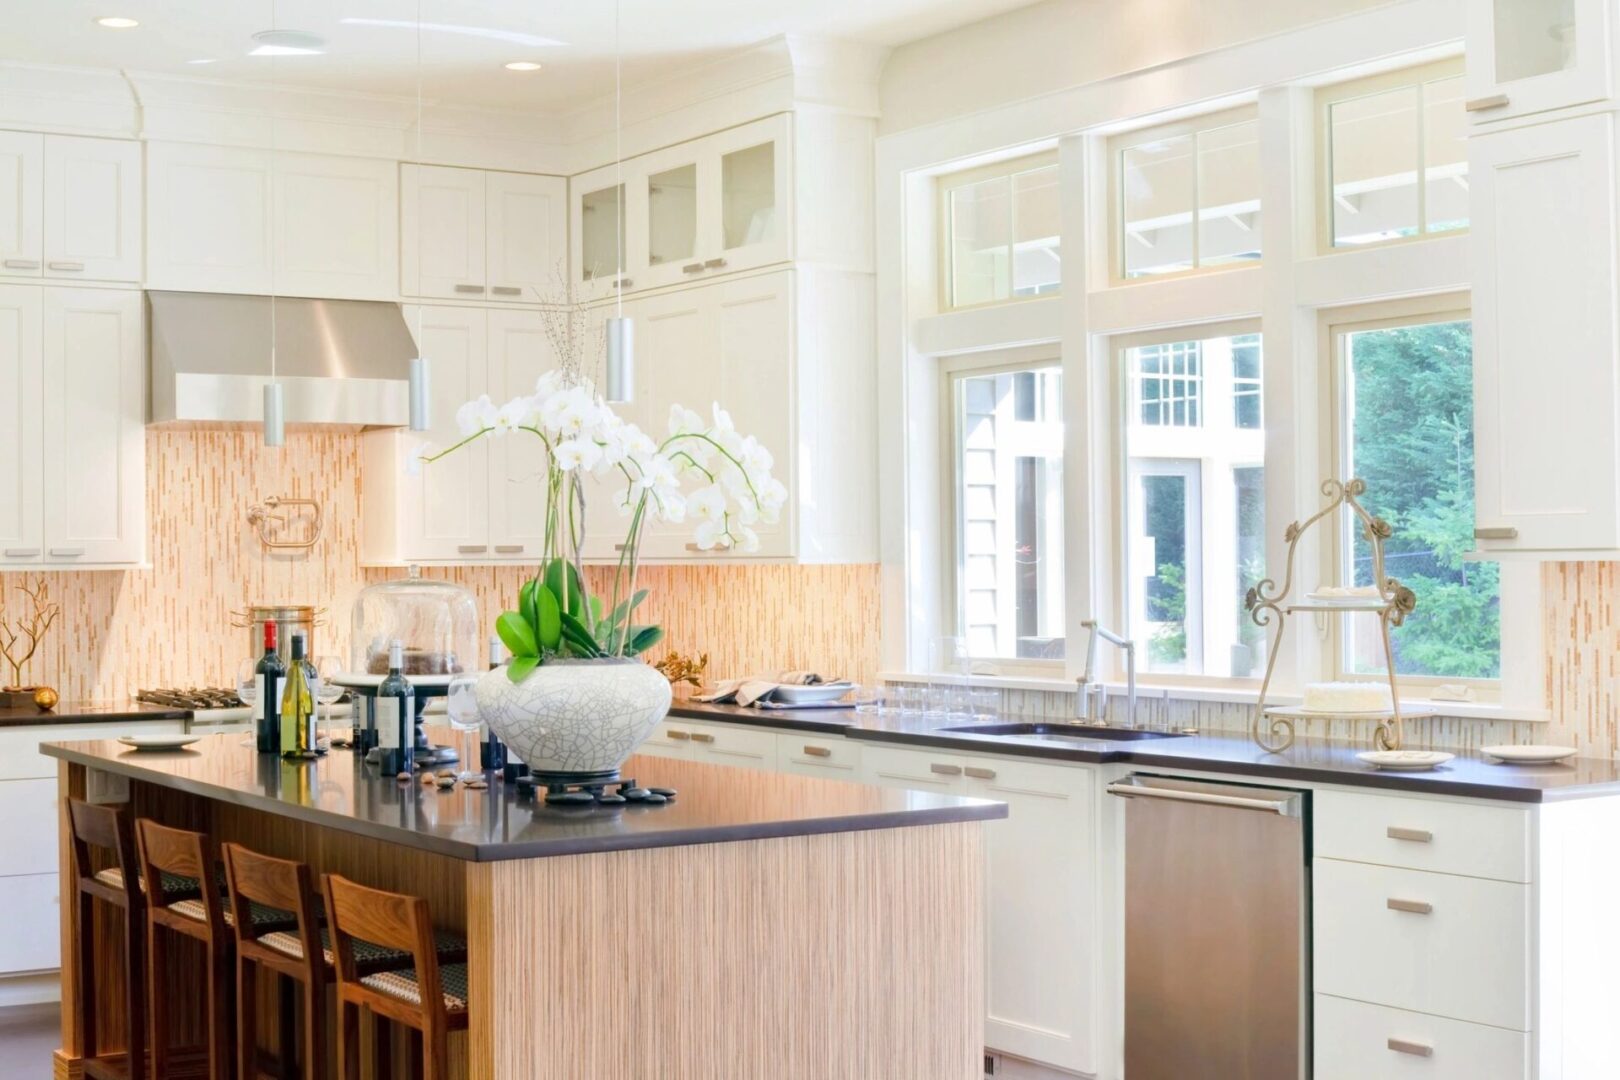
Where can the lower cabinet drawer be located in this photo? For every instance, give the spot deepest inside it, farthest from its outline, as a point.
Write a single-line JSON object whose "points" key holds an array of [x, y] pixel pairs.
{"points": [[28, 838], [818, 755], [1433, 943], [20, 758], [1357, 1041], [31, 938], [733, 744]]}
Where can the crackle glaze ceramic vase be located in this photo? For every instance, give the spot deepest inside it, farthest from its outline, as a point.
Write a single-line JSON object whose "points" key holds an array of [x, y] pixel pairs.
{"points": [[575, 720]]}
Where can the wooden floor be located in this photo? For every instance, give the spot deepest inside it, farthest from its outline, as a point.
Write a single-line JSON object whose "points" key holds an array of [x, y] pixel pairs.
{"points": [[28, 1034]]}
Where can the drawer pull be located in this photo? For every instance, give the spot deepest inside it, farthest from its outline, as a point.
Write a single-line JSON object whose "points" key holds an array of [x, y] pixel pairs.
{"points": [[477, 290], [66, 552], [21, 553], [509, 549], [701, 736], [507, 290], [681, 735], [33, 264], [1480, 104], [980, 774], [817, 751], [713, 264], [945, 770], [1415, 907], [1406, 1046], [63, 264], [471, 549], [1496, 532], [1417, 836], [692, 268]]}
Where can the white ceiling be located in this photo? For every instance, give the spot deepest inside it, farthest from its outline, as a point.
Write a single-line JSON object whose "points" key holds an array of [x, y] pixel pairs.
{"points": [[659, 37]]}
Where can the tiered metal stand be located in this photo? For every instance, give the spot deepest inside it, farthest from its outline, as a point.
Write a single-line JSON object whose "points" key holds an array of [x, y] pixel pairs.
{"points": [[1273, 726]]}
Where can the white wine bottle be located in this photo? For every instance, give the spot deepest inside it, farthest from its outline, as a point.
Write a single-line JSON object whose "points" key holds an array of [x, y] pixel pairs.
{"points": [[298, 705]]}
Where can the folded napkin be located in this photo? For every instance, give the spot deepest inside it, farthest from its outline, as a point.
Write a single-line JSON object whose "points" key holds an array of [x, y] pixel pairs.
{"points": [[758, 687]]}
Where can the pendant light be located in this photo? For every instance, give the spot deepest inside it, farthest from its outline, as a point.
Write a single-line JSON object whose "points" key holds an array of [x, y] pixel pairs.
{"points": [[620, 332], [421, 411], [275, 425]]}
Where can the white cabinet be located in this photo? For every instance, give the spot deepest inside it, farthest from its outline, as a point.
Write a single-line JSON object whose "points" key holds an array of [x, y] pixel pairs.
{"points": [[70, 207], [740, 745], [94, 423], [1546, 358], [21, 467], [32, 941], [1528, 56], [1357, 1041], [471, 234], [831, 757], [487, 501], [215, 215]]}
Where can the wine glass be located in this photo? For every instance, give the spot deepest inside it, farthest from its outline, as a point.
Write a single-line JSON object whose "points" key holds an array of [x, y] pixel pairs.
{"points": [[247, 688], [461, 705], [327, 690]]}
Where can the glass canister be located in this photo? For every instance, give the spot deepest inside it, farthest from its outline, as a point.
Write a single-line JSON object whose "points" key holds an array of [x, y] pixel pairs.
{"points": [[436, 621]]}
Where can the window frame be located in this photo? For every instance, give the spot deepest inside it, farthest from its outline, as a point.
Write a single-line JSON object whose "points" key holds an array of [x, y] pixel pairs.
{"points": [[1419, 76], [1114, 149], [953, 369], [948, 183]]}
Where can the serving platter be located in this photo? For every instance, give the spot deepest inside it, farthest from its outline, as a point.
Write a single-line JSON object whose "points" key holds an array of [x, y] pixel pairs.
{"points": [[1405, 760], [158, 742], [1534, 754]]}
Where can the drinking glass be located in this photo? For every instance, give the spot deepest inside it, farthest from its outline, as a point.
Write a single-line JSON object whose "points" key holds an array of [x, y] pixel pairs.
{"points": [[868, 699], [327, 691], [461, 706], [908, 699], [247, 688]]}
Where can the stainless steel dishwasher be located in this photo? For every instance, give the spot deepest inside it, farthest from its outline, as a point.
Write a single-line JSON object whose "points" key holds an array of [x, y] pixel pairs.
{"points": [[1217, 903]]}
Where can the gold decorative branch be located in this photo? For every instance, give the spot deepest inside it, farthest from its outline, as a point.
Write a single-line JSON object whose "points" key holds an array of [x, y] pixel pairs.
{"points": [[20, 638]]}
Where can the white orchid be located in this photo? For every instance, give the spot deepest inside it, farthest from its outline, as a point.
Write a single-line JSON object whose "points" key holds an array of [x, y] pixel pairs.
{"points": [[476, 416], [683, 421], [418, 457], [708, 503], [578, 454]]}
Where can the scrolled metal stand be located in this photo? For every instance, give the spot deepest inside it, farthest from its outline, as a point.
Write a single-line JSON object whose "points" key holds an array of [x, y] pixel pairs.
{"points": [[1267, 605]]}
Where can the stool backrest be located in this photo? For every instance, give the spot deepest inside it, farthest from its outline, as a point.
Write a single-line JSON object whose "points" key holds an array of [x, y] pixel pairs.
{"points": [[255, 879], [93, 825], [184, 853], [392, 920]]}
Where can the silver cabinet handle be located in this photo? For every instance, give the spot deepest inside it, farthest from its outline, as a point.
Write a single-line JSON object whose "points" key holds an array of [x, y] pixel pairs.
{"points": [[817, 751], [980, 774], [680, 736], [692, 268], [698, 548], [509, 549], [63, 264], [1415, 907], [471, 549], [700, 736], [67, 552], [21, 553], [1130, 788], [22, 264], [475, 289], [713, 264], [1405, 1046], [1480, 104], [1417, 836], [506, 290], [945, 770], [1504, 532], [624, 283]]}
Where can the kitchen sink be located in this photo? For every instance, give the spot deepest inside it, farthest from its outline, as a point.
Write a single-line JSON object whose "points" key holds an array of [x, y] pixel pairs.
{"points": [[1082, 732]]}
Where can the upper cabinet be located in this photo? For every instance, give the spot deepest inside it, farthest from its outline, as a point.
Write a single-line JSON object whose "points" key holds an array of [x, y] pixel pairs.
{"points": [[714, 205], [1530, 56], [70, 208], [476, 235], [216, 214]]}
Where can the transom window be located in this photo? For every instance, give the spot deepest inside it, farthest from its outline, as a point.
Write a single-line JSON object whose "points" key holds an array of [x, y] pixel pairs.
{"points": [[1000, 227]]}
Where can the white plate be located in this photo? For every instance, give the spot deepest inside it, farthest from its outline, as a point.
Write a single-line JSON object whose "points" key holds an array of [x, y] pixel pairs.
{"points": [[811, 695], [158, 742], [1412, 760], [1529, 755]]}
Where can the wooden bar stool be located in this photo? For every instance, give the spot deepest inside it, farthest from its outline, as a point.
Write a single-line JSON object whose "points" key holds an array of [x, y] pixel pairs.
{"points": [[427, 997]]}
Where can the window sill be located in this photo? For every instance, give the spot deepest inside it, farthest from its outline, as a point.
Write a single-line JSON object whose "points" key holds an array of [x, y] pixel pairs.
{"points": [[1234, 695]]}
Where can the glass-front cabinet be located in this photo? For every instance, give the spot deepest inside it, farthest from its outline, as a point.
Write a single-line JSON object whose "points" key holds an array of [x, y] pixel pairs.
{"points": [[601, 229], [1529, 56]]}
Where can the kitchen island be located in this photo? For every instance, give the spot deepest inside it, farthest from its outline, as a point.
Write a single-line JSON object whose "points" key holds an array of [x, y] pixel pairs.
{"points": [[758, 925]]}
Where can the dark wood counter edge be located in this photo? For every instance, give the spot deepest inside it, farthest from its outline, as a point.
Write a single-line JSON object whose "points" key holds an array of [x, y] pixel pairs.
{"points": [[1146, 753], [82, 713], [966, 810]]}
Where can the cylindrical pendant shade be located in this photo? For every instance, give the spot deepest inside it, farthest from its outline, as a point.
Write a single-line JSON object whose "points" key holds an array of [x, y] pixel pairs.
{"points": [[621, 361], [421, 415], [275, 428]]}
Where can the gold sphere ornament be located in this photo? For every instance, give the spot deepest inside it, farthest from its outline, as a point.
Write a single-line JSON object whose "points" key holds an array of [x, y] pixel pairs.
{"points": [[46, 698]]}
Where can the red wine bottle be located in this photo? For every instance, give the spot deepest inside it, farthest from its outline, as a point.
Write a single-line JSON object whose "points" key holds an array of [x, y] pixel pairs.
{"points": [[396, 716], [268, 678]]}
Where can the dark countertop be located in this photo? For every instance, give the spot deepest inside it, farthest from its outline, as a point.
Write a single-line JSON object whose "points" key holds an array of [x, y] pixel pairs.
{"points": [[716, 803], [1315, 760], [82, 712]]}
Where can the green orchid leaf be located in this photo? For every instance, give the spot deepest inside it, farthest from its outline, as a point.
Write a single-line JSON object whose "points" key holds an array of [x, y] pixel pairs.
{"points": [[526, 603], [517, 634], [522, 667], [596, 609], [643, 638], [548, 619], [578, 637], [563, 580]]}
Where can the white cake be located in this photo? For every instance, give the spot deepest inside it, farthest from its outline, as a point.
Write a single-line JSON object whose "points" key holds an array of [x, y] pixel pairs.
{"points": [[1346, 697]]}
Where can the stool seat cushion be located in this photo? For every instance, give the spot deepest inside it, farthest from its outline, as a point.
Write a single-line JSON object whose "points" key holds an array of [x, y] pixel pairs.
{"points": [[403, 985], [367, 957], [262, 915], [174, 885]]}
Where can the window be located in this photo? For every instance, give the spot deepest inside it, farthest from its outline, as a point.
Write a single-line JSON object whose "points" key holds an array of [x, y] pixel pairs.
{"points": [[1382, 135], [1408, 431], [1194, 500], [1000, 227], [1008, 495], [1186, 196]]}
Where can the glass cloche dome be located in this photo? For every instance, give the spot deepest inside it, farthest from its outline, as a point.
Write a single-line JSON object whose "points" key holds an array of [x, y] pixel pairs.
{"points": [[437, 621]]}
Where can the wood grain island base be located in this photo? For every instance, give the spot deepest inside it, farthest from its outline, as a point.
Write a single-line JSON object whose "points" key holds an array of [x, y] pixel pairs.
{"points": [[760, 926]]}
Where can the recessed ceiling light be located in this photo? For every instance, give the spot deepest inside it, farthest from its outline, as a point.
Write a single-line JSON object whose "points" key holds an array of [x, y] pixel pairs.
{"points": [[287, 43], [523, 65], [117, 22]]}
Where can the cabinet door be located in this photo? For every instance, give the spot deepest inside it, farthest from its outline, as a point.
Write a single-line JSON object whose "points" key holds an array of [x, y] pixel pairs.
{"points": [[668, 250], [600, 227], [751, 200], [447, 506], [1040, 873], [1527, 56], [1544, 336], [526, 256], [734, 744], [94, 421], [442, 250], [913, 770], [336, 227], [207, 218], [519, 353], [22, 178], [33, 907], [92, 209], [21, 369]]}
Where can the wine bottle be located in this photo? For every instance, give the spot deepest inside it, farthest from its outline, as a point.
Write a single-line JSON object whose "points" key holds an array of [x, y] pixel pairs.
{"points": [[267, 684], [396, 716], [298, 705], [491, 751]]}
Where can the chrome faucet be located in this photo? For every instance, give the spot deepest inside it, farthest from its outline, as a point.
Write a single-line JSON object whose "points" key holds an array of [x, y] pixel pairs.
{"points": [[1090, 693]]}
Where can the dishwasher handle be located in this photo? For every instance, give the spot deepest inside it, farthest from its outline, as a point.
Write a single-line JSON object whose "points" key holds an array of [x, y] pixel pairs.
{"points": [[1285, 803]]}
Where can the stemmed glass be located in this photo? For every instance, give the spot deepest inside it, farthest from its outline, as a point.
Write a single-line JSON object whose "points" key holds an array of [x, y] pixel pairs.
{"points": [[327, 691], [461, 705], [247, 688]]}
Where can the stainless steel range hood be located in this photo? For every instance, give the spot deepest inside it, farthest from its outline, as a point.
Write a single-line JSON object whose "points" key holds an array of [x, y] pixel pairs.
{"points": [[339, 361]]}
